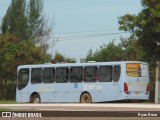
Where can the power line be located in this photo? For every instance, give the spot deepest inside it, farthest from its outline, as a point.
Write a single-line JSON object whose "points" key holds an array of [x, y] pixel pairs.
{"points": [[86, 36], [83, 36], [86, 31], [54, 1]]}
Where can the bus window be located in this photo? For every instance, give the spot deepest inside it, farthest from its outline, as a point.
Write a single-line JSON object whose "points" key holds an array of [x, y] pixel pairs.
{"points": [[49, 75], [136, 70], [23, 78], [105, 74], [36, 75], [76, 74], [117, 72], [90, 74], [62, 75]]}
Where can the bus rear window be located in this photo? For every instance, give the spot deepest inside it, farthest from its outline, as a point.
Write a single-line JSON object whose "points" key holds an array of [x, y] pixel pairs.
{"points": [[136, 70]]}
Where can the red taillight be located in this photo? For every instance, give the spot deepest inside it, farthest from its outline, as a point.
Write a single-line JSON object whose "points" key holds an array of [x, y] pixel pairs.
{"points": [[126, 88], [147, 90]]}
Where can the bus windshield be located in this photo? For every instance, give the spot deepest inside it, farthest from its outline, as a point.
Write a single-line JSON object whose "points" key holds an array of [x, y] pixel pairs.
{"points": [[23, 78]]}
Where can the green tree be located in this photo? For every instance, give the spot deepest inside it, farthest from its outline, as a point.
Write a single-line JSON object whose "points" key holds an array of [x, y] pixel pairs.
{"points": [[133, 50], [39, 30], [22, 41], [15, 21], [146, 28], [27, 22], [128, 49], [59, 58], [15, 52], [109, 52]]}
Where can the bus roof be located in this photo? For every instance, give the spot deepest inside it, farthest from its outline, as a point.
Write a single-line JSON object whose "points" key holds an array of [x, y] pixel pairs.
{"points": [[78, 64]]}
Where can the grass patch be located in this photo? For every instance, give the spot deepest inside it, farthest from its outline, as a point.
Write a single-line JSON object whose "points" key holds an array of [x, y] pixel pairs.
{"points": [[8, 102], [5, 109], [147, 101]]}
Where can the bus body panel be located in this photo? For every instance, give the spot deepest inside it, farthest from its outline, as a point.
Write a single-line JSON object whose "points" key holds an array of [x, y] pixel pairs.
{"points": [[106, 92]]}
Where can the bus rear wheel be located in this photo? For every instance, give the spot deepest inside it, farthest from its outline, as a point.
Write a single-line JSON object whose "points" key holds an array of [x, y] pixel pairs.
{"points": [[86, 98], [35, 99]]}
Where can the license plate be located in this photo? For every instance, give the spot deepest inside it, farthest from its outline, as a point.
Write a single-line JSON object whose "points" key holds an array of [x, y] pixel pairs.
{"points": [[137, 93]]}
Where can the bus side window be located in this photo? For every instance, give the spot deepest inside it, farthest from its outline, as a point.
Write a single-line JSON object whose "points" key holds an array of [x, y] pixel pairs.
{"points": [[36, 75], [105, 74], [117, 72], [49, 75], [90, 74], [76, 74], [62, 75]]}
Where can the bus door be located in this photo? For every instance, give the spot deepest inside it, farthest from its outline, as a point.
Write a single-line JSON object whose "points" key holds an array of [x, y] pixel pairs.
{"points": [[61, 85], [137, 80], [116, 81], [75, 83], [47, 88]]}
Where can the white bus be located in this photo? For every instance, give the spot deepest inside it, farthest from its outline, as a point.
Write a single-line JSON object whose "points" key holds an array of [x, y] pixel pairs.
{"points": [[83, 82]]}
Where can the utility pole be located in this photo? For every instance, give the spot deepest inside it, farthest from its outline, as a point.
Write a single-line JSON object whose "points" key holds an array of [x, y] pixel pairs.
{"points": [[157, 84]]}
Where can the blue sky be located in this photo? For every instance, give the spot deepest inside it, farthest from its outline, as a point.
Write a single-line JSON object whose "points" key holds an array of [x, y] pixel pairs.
{"points": [[80, 18]]}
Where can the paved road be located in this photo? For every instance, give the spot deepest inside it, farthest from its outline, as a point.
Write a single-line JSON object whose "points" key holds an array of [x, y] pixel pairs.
{"points": [[89, 111], [84, 107]]}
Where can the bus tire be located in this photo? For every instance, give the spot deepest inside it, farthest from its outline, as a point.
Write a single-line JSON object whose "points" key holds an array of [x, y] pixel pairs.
{"points": [[85, 98], [35, 99]]}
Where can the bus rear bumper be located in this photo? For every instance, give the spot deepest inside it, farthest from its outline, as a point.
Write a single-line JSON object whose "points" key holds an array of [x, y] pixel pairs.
{"points": [[135, 97]]}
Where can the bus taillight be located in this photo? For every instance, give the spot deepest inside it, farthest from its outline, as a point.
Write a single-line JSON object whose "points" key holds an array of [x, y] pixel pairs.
{"points": [[147, 90], [126, 88]]}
